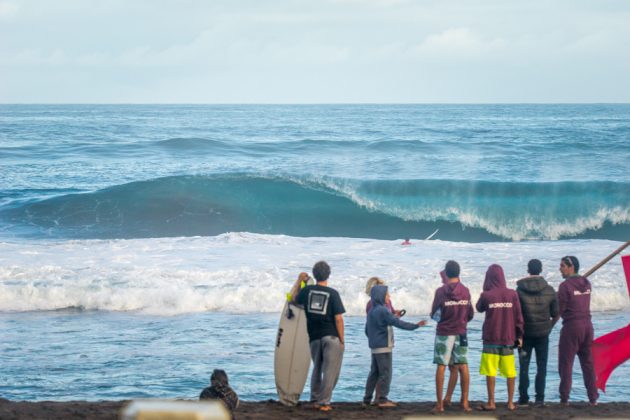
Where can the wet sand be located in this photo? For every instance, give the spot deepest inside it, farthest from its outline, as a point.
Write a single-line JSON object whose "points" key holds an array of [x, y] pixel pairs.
{"points": [[268, 410]]}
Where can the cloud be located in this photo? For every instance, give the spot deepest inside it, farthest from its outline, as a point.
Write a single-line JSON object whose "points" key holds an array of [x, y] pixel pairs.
{"points": [[458, 41], [7, 9]]}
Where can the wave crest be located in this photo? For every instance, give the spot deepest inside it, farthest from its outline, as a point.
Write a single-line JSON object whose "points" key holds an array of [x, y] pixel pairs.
{"points": [[305, 206]]}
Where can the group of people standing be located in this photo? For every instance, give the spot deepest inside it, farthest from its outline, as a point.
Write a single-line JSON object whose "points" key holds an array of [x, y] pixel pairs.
{"points": [[520, 319]]}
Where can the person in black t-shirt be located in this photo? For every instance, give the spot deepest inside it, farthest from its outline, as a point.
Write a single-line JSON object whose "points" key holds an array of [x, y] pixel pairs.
{"points": [[324, 322]]}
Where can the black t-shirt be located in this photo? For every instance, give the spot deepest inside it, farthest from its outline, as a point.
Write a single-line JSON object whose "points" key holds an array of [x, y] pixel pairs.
{"points": [[321, 304]]}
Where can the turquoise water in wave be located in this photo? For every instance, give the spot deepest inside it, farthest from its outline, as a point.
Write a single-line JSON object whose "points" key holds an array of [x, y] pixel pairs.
{"points": [[476, 172], [142, 246]]}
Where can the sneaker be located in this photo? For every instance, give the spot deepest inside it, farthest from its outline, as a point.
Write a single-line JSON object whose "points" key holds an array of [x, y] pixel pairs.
{"points": [[522, 402], [539, 404], [366, 402]]}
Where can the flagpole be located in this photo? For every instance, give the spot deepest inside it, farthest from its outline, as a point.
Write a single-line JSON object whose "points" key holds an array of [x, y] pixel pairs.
{"points": [[605, 260]]}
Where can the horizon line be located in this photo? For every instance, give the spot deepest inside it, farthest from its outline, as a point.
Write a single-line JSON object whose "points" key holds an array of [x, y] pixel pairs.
{"points": [[313, 103]]}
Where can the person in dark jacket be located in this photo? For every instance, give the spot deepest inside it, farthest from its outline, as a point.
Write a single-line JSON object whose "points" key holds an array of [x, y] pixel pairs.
{"points": [[452, 302], [378, 328], [502, 328], [576, 335], [219, 389], [540, 313]]}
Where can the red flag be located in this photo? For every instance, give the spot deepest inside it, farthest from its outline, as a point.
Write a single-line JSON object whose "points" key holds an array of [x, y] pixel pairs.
{"points": [[625, 260], [609, 351]]}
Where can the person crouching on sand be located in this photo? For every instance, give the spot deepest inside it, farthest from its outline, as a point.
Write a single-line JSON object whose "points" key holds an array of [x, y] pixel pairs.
{"points": [[220, 389], [378, 328], [502, 328], [452, 302]]}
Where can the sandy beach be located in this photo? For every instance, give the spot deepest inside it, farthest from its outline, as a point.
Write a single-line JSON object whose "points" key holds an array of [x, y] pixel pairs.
{"points": [[273, 410]]}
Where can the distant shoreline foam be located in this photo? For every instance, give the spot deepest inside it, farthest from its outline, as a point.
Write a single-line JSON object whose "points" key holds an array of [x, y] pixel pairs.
{"points": [[170, 276]]}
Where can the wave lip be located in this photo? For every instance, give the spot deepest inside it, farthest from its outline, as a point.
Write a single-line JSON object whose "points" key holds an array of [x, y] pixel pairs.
{"points": [[462, 210]]}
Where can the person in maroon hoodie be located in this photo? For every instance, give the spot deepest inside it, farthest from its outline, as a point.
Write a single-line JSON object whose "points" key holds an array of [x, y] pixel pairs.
{"points": [[453, 310], [502, 328], [576, 335]]}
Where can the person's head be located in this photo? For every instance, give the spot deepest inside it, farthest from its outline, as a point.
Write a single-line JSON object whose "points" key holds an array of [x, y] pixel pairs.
{"points": [[379, 294], [443, 277], [451, 269], [373, 281], [495, 278], [321, 271], [569, 266], [219, 377], [534, 267]]}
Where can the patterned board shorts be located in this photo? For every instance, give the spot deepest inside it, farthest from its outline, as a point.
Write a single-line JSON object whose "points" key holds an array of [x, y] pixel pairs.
{"points": [[450, 350], [498, 359]]}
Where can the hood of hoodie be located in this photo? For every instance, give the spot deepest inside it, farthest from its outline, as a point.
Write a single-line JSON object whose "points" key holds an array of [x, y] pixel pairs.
{"points": [[378, 295], [456, 291], [495, 279], [580, 283], [532, 285]]}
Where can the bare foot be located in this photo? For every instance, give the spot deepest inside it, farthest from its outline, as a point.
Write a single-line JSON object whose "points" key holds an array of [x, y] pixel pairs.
{"points": [[487, 407], [511, 406], [438, 409], [466, 407], [446, 402]]}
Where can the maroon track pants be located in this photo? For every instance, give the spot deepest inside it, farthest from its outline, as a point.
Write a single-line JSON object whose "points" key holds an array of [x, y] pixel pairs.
{"points": [[576, 338]]}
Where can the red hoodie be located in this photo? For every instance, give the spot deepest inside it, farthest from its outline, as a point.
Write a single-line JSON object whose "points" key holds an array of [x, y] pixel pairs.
{"points": [[453, 300], [574, 299], [504, 321]]}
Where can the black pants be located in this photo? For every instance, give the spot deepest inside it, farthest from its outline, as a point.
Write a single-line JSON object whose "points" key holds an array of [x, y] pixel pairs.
{"points": [[541, 346]]}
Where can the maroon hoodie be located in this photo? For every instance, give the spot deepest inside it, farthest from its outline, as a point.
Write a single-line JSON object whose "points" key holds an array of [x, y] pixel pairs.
{"points": [[574, 299], [453, 301], [504, 321]]}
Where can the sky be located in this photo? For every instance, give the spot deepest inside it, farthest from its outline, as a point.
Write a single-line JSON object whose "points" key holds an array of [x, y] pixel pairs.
{"points": [[314, 51]]}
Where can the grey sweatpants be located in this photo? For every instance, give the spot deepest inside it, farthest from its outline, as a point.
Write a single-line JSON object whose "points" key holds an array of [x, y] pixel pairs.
{"points": [[327, 355], [381, 376]]}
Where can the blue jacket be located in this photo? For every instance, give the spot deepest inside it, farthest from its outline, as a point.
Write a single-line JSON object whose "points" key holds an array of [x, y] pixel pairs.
{"points": [[378, 326]]}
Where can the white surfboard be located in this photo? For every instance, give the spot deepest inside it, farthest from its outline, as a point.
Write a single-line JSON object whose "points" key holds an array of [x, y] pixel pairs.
{"points": [[292, 356]]}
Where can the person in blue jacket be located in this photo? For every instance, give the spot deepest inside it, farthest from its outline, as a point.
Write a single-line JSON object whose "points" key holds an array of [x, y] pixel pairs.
{"points": [[379, 331]]}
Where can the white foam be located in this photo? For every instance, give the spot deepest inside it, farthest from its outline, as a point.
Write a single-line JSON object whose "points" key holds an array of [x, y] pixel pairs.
{"points": [[242, 272]]}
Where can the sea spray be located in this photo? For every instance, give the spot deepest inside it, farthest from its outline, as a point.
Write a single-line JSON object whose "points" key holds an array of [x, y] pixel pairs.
{"points": [[250, 273]]}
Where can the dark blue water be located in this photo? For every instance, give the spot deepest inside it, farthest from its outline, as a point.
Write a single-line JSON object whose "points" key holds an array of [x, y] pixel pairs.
{"points": [[58, 356]]}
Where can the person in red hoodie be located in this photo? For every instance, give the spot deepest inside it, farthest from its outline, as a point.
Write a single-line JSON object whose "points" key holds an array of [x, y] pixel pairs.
{"points": [[502, 328], [453, 310], [576, 335]]}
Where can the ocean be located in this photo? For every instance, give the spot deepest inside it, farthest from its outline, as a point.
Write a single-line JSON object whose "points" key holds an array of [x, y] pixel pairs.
{"points": [[142, 246]]}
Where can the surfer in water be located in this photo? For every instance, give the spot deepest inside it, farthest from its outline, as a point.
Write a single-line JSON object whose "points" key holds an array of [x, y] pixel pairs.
{"points": [[406, 242]]}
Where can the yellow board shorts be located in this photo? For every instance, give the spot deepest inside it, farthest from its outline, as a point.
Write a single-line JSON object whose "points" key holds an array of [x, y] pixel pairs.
{"points": [[498, 359]]}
